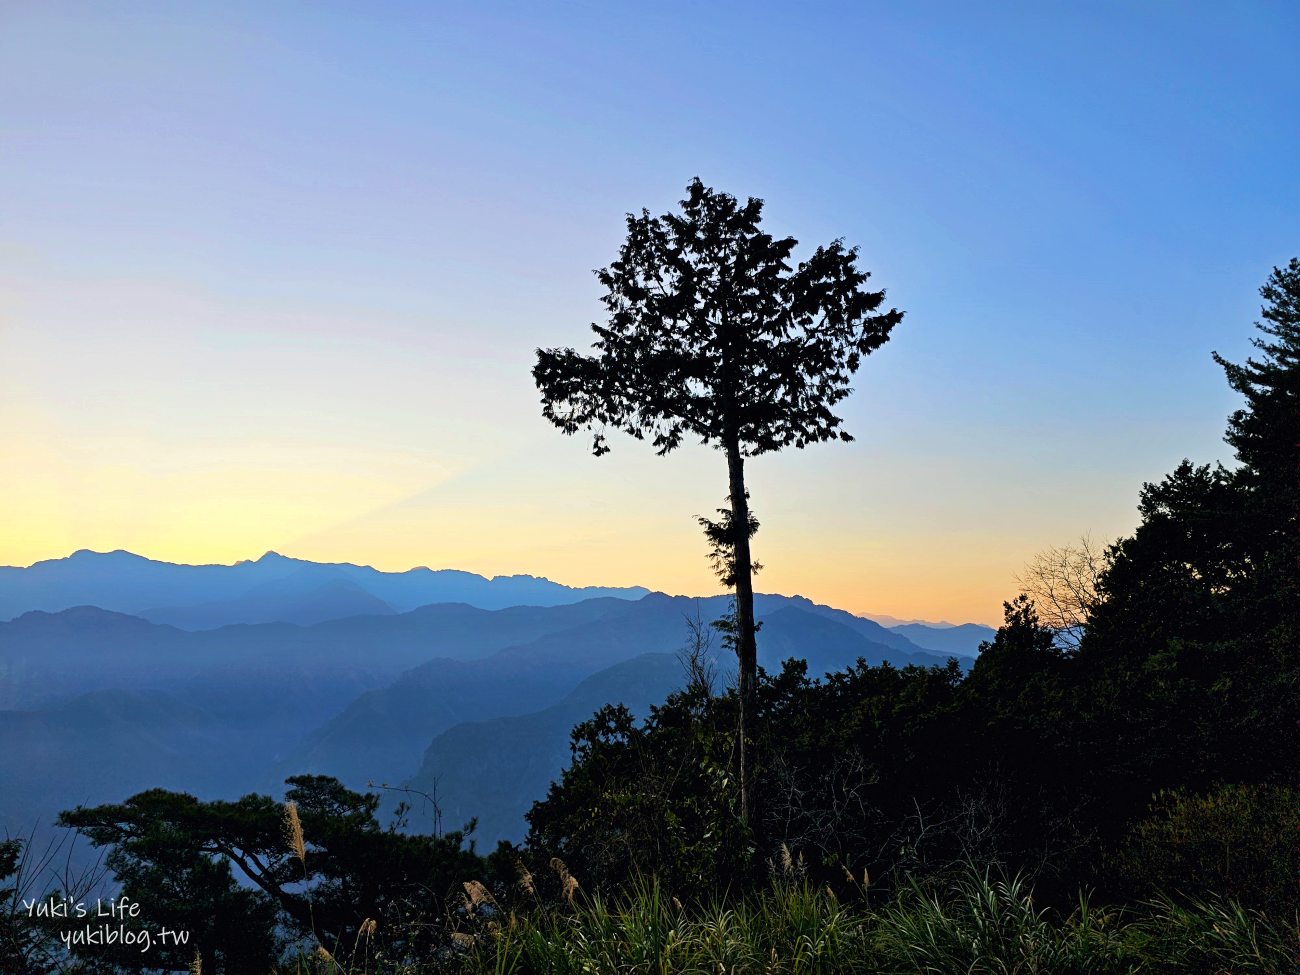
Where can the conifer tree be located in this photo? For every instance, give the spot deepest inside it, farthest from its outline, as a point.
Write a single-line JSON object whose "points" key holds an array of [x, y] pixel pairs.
{"points": [[715, 334], [1265, 432]]}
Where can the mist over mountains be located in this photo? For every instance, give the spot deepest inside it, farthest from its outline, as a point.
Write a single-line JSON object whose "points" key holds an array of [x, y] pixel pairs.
{"points": [[119, 673]]}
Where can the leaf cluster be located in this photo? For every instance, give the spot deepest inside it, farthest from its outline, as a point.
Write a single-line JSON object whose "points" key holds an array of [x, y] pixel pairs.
{"points": [[715, 332]]}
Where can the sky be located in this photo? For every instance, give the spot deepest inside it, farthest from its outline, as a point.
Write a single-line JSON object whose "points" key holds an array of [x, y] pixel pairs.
{"points": [[272, 276]]}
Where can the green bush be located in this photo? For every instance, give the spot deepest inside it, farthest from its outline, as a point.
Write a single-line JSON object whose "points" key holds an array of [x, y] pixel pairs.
{"points": [[1240, 842], [792, 929]]}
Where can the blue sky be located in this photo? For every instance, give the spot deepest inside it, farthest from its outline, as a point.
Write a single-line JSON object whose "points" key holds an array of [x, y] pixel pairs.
{"points": [[273, 274]]}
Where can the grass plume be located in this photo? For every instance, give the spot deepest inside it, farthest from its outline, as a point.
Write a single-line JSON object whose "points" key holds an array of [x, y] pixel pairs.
{"points": [[293, 832]]}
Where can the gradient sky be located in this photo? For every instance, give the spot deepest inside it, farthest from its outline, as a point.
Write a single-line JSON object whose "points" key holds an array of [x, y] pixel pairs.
{"points": [[272, 275]]}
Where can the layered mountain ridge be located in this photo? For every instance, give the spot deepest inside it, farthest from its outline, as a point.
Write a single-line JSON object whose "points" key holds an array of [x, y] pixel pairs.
{"points": [[273, 588], [97, 702]]}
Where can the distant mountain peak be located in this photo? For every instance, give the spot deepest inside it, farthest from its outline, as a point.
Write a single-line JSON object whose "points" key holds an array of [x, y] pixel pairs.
{"points": [[119, 554]]}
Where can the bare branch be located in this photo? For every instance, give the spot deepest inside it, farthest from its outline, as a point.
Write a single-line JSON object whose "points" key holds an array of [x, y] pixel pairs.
{"points": [[1063, 583]]}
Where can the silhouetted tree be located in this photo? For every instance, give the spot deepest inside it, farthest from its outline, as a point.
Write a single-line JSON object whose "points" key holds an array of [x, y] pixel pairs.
{"points": [[1062, 582], [324, 873], [714, 334], [1265, 433], [12, 934], [1192, 654]]}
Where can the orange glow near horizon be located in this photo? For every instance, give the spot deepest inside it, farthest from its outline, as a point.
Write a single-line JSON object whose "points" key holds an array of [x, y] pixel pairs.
{"points": [[620, 521]]}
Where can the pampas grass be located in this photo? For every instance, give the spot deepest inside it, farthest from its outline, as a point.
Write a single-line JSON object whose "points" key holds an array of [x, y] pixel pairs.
{"points": [[293, 833], [568, 882]]}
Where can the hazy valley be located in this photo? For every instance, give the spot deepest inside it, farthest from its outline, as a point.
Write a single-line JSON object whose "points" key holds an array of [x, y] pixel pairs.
{"points": [[221, 680]]}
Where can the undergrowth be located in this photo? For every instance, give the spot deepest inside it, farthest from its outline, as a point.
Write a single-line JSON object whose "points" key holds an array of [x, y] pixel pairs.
{"points": [[981, 924]]}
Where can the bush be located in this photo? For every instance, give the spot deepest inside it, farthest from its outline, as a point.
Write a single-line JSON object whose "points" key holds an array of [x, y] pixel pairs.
{"points": [[1241, 842]]}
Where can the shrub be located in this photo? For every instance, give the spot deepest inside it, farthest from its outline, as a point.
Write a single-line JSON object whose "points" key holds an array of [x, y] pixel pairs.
{"points": [[1241, 842]]}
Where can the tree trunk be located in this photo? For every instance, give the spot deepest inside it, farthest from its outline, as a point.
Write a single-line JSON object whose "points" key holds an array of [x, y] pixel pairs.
{"points": [[746, 646]]}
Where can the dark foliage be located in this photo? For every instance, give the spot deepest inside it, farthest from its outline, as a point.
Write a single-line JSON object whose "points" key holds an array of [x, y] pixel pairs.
{"points": [[13, 937], [177, 857], [875, 769], [1240, 841], [714, 333]]}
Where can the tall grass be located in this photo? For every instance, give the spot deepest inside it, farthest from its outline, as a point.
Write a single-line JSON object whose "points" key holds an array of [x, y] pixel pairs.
{"points": [[1214, 936], [790, 929], [980, 925], [984, 925]]}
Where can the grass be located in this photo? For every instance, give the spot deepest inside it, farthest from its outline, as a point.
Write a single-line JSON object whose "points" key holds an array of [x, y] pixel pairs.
{"points": [[980, 925]]}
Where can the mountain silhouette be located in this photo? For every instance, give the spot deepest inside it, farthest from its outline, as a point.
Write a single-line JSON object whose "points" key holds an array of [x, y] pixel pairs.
{"points": [[272, 588], [963, 640]]}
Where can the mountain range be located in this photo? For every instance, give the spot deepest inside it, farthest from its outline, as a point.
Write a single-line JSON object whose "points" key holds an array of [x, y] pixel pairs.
{"points": [[274, 588], [187, 681]]}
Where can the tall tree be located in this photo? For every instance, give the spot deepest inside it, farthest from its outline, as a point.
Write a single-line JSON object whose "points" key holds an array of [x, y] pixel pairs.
{"points": [[714, 333], [1265, 432], [1192, 652]]}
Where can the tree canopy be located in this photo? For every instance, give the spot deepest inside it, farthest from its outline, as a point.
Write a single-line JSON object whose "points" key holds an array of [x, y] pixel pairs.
{"points": [[714, 333]]}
